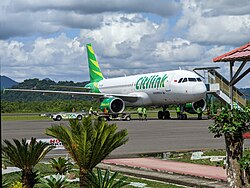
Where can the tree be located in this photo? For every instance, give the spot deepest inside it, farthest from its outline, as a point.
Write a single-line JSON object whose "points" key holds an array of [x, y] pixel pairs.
{"points": [[61, 165], [232, 124], [88, 143], [25, 156]]}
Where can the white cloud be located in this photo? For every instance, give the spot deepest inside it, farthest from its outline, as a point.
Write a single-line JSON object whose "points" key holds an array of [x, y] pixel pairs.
{"points": [[233, 30], [178, 50], [54, 58], [118, 29], [215, 30], [26, 18], [226, 7]]}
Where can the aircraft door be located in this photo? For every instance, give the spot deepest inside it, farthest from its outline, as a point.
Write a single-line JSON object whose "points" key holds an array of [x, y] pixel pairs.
{"points": [[168, 83], [168, 96]]}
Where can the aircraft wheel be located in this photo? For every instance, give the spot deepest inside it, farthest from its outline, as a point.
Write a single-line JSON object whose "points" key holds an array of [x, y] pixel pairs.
{"points": [[160, 115], [58, 118], [79, 117], [183, 116], [128, 118], [166, 114]]}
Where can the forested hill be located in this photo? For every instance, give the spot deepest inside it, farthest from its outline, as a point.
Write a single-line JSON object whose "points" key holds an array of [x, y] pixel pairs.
{"points": [[246, 92], [45, 84], [7, 82]]}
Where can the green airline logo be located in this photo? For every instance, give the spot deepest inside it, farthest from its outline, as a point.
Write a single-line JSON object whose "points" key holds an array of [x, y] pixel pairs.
{"points": [[154, 81], [93, 86]]}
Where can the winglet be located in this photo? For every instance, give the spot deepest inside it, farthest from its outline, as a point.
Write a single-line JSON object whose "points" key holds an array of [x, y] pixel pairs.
{"points": [[94, 69]]}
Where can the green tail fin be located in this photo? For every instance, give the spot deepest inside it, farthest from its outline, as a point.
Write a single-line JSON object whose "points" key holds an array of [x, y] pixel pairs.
{"points": [[94, 69]]}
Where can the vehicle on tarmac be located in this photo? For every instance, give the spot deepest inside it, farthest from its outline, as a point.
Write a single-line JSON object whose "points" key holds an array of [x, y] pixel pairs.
{"points": [[68, 115], [113, 116]]}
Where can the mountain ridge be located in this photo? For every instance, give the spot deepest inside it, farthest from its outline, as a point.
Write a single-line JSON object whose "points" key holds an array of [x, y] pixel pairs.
{"points": [[7, 82]]}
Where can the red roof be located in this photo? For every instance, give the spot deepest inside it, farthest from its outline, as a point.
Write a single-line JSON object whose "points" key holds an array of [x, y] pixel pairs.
{"points": [[246, 135], [239, 54]]}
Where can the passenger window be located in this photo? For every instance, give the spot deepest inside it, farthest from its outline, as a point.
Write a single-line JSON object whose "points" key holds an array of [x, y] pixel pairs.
{"points": [[191, 79], [184, 80], [199, 80], [180, 80]]}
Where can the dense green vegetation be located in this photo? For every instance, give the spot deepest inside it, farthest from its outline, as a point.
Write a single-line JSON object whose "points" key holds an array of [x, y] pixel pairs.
{"points": [[45, 84], [47, 106], [46, 169]]}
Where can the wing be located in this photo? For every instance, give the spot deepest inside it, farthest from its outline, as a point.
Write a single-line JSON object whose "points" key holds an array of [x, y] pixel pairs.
{"points": [[125, 97], [71, 87]]}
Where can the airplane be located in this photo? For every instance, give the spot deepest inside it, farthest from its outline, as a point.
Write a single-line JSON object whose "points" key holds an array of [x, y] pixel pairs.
{"points": [[176, 87]]}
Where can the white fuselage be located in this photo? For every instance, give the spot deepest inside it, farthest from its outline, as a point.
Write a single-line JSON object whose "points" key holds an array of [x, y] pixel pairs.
{"points": [[161, 88]]}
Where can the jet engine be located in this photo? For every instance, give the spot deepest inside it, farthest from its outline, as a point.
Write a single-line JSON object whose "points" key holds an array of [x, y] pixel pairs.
{"points": [[113, 105], [192, 107]]}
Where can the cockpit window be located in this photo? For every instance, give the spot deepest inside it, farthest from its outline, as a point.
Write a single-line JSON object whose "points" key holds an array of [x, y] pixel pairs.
{"points": [[180, 80], [191, 79], [184, 80], [199, 80]]}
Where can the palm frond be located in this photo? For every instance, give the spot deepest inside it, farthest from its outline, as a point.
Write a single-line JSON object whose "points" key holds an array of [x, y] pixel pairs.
{"points": [[106, 181]]}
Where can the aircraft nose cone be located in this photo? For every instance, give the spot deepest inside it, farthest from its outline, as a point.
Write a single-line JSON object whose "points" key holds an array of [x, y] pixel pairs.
{"points": [[199, 89]]}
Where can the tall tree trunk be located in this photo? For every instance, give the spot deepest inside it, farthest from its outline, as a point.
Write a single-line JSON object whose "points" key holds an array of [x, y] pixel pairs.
{"points": [[26, 178], [83, 178], [234, 149], [247, 179]]}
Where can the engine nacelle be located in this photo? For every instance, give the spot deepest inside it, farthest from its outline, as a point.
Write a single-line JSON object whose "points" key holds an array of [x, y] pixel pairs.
{"points": [[113, 105], [192, 107]]}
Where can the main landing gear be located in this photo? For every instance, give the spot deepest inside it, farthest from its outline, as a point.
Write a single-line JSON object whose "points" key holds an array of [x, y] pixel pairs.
{"points": [[183, 116], [165, 114]]}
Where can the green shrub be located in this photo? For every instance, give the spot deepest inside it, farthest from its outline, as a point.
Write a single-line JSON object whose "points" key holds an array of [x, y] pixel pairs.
{"points": [[61, 165], [106, 181]]}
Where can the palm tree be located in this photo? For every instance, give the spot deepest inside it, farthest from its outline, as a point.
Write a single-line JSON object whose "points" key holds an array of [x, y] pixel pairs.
{"points": [[107, 180], [25, 156], [61, 165], [55, 181], [88, 143]]}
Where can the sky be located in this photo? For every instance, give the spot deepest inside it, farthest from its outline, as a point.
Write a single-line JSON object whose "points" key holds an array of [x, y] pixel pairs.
{"points": [[47, 38]]}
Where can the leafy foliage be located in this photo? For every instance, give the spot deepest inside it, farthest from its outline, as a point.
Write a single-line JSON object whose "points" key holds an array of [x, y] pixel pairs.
{"points": [[88, 143], [106, 181], [5, 183], [55, 181], [17, 184], [25, 156], [231, 122], [245, 162], [61, 165]]}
